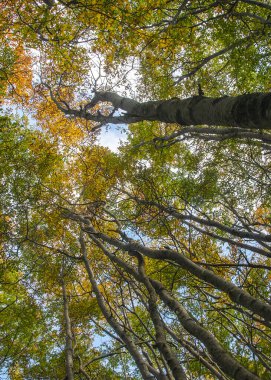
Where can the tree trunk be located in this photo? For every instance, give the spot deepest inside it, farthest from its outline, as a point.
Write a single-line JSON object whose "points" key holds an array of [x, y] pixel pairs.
{"points": [[251, 111], [131, 347], [237, 295], [68, 331], [247, 111], [218, 353]]}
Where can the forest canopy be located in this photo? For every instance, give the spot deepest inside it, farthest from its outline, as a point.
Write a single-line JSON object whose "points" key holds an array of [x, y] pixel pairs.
{"points": [[151, 260]]}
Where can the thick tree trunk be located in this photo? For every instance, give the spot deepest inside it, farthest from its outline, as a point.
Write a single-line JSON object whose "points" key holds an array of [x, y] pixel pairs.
{"points": [[247, 111], [250, 111]]}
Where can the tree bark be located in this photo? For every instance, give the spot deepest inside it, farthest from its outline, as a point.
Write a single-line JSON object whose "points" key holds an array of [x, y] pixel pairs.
{"points": [[247, 111], [161, 341], [131, 347], [219, 355], [68, 331], [237, 295], [251, 111], [258, 237]]}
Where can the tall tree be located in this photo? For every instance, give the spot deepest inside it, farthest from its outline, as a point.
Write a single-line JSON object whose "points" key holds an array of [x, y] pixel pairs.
{"points": [[166, 243]]}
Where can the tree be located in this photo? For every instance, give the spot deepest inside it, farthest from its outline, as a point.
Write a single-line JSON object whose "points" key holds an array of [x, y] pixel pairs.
{"points": [[115, 277], [153, 262], [243, 114]]}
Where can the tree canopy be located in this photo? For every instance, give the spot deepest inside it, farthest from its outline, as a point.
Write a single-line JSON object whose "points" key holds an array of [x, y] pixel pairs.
{"points": [[151, 261]]}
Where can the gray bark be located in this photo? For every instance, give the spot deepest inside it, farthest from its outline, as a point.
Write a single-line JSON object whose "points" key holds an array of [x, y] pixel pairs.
{"points": [[197, 354], [251, 111], [219, 355], [236, 232], [131, 347], [237, 295], [161, 341], [247, 111], [68, 331]]}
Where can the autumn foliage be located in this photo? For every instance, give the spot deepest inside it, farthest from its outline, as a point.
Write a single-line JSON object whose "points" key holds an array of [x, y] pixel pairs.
{"points": [[150, 261]]}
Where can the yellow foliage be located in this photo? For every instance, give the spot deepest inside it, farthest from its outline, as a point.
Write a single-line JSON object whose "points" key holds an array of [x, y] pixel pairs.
{"points": [[17, 78], [50, 118], [22, 77], [263, 215], [15, 373]]}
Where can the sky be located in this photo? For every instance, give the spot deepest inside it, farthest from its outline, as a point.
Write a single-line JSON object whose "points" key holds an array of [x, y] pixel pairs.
{"points": [[111, 137]]}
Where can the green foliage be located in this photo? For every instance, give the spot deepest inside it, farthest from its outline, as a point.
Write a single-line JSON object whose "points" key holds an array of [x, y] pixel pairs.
{"points": [[202, 198]]}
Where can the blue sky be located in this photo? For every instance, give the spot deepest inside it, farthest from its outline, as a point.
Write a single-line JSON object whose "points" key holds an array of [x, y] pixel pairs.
{"points": [[112, 135]]}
